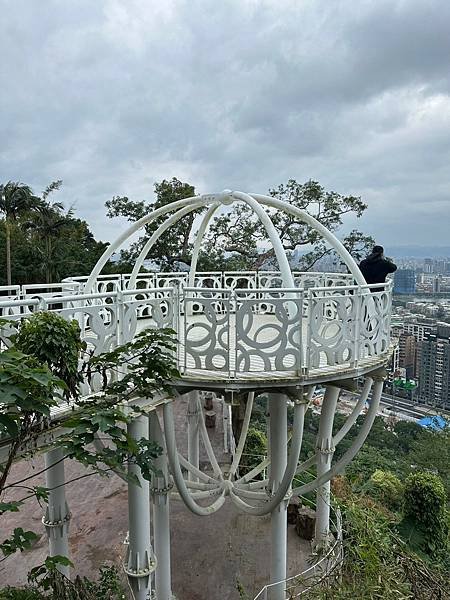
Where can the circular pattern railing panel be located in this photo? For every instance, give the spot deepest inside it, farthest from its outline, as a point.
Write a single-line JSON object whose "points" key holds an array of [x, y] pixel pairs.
{"points": [[258, 331]]}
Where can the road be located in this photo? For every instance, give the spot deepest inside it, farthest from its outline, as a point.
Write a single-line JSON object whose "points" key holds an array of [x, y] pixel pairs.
{"points": [[405, 407]]}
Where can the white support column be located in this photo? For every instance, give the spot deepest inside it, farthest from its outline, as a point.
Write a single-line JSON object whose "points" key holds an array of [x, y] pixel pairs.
{"points": [[193, 432], [139, 563], [325, 449], [57, 515], [278, 455], [267, 415], [225, 418], [161, 513]]}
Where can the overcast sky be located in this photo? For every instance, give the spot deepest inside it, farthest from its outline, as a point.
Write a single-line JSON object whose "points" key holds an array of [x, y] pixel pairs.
{"points": [[112, 95]]}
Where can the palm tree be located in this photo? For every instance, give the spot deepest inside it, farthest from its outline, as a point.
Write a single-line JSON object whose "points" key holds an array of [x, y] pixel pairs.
{"points": [[16, 199], [47, 221]]}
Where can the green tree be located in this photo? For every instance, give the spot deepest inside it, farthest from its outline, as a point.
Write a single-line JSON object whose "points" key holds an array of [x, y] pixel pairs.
{"points": [[368, 460], [407, 433], [387, 488], [174, 245], [380, 436], [47, 223], [237, 239], [240, 235], [63, 245], [255, 450], [74, 250], [431, 451], [54, 342], [16, 199], [40, 367]]}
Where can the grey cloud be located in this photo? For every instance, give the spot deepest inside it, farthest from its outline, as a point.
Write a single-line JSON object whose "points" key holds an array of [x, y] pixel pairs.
{"points": [[112, 96]]}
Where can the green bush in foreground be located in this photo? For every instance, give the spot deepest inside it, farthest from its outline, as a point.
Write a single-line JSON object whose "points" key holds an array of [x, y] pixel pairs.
{"points": [[425, 520], [377, 563], [48, 583], [387, 488]]}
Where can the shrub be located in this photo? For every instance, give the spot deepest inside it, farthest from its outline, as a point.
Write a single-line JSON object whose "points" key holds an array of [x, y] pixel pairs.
{"points": [[425, 521], [424, 497], [26, 593], [387, 488], [254, 450], [55, 342], [49, 583], [367, 461], [377, 564]]}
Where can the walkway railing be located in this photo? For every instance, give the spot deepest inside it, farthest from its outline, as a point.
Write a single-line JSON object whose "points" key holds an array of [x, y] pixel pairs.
{"points": [[217, 279], [229, 332]]}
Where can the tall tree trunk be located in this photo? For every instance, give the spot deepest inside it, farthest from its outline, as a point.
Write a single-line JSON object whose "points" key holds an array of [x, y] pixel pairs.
{"points": [[8, 251], [48, 267]]}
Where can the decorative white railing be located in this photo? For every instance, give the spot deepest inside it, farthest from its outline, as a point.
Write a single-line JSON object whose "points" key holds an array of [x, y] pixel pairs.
{"points": [[229, 280], [229, 332], [239, 332]]}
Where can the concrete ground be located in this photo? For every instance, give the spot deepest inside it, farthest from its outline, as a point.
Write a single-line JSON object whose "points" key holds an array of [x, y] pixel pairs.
{"points": [[210, 555]]}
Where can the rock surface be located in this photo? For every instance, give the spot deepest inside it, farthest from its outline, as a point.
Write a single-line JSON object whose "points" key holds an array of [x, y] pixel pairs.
{"points": [[306, 523], [210, 555]]}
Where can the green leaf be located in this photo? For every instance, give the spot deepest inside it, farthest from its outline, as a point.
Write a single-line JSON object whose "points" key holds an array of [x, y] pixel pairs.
{"points": [[8, 422], [41, 493], [52, 562], [20, 540], [12, 506]]}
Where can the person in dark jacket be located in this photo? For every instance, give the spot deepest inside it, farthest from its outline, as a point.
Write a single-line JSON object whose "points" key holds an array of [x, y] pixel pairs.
{"points": [[375, 267]]}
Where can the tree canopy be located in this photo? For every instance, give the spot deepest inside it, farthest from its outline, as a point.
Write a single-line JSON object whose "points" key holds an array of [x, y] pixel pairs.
{"points": [[16, 200], [49, 242], [237, 239], [240, 235], [175, 245]]}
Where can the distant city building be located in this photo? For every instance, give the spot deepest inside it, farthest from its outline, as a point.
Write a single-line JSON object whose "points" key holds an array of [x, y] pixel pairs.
{"points": [[407, 354], [434, 371], [428, 265], [404, 281], [443, 330], [419, 327], [394, 367]]}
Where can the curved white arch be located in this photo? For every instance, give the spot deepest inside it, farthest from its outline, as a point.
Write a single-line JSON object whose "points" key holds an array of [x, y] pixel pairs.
{"points": [[350, 421], [198, 242], [315, 224], [154, 238], [247, 478], [172, 455], [243, 437], [135, 227], [207, 443], [245, 482], [254, 201], [199, 474], [352, 451], [285, 269], [283, 487], [352, 418]]}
